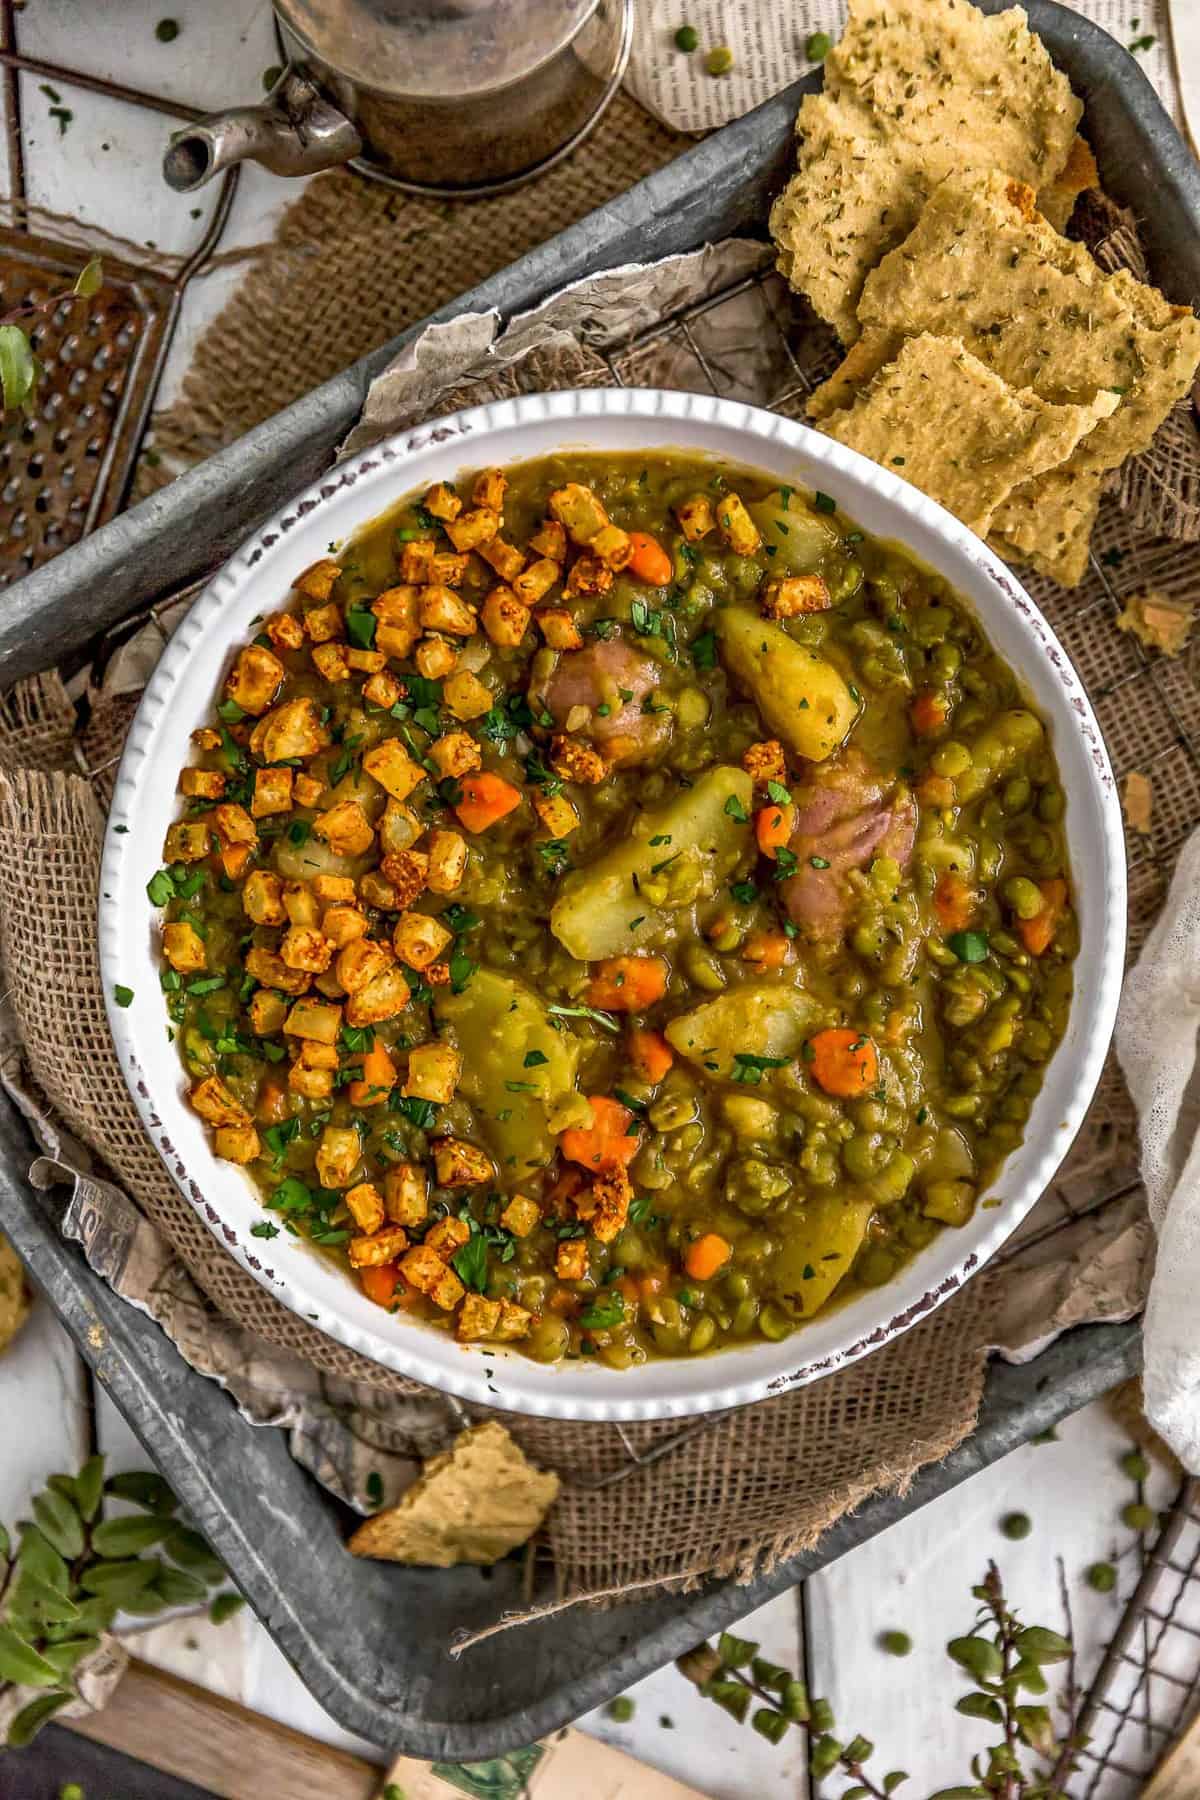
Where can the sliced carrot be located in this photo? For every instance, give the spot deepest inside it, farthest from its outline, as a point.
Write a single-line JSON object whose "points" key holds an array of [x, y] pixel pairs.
{"points": [[485, 799], [844, 1062], [628, 983], [271, 1107], [953, 902], [708, 1254], [773, 826], [653, 1283], [928, 714], [1037, 934], [650, 1055], [650, 561], [606, 1145], [380, 1282], [377, 1080], [234, 858], [767, 949]]}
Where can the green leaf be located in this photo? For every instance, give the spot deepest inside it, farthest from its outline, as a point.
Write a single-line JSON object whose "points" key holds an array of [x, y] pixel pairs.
{"points": [[731, 1696], [40, 1558], [191, 1551], [959, 1793], [1038, 1644], [18, 371], [1027, 1675], [969, 946], [143, 1489], [471, 1263], [90, 279], [826, 1753], [94, 1615], [89, 1488], [21, 1663], [67, 1655], [1033, 1723], [37, 1599], [795, 1702], [60, 1523], [5, 1545], [822, 1716], [858, 1750], [772, 1725], [180, 1589], [892, 1781], [980, 1706], [117, 1581], [224, 1607], [29, 1721], [734, 1651], [769, 1674], [977, 1655], [128, 1537]]}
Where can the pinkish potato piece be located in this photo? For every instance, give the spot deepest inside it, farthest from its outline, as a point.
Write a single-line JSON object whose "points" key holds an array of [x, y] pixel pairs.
{"points": [[846, 817], [600, 675]]}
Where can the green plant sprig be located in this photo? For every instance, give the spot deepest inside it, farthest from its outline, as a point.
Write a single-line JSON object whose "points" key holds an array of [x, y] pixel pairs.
{"points": [[20, 370]]}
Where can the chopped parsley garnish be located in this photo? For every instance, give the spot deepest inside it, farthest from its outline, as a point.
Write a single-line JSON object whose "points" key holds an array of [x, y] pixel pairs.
{"points": [[470, 1263], [704, 650], [603, 1019], [264, 1229], [969, 946], [824, 503], [123, 995], [534, 1059], [778, 793], [360, 627], [603, 1314], [749, 1068], [745, 891], [736, 811]]}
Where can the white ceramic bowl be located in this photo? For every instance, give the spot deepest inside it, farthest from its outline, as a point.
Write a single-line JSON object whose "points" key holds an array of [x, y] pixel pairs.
{"points": [[257, 579]]}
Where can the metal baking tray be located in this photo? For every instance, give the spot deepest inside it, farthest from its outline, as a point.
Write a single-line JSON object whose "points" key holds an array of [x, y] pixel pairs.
{"points": [[348, 1626]]}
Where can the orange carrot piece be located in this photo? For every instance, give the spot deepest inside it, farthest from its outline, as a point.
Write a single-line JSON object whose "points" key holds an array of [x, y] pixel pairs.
{"points": [[652, 1283], [936, 790], [650, 561], [767, 949], [486, 798], [377, 1080], [708, 1254], [380, 1283], [1037, 934], [650, 1055], [773, 826], [953, 902], [606, 1145], [928, 714], [271, 1107], [628, 983], [234, 858], [844, 1062]]}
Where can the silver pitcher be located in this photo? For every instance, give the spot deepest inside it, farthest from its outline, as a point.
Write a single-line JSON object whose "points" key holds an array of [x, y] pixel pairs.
{"points": [[437, 96]]}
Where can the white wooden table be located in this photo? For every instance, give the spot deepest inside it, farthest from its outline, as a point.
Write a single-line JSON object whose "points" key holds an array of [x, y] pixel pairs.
{"points": [[916, 1577]]}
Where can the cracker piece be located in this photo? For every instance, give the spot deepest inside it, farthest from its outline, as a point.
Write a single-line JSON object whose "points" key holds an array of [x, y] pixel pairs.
{"points": [[472, 1504], [1137, 798], [1157, 621], [15, 1297], [1056, 200]]}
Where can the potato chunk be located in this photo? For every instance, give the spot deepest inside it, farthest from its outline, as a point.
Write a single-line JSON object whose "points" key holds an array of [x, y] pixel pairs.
{"points": [[381, 1247], [183, 947], [381, 999], [215, 1104], [433, 1072], [447, 861], [186, 841], [520, 1215], [255, 679], [460, 1165], [556, 813], [201, 784], [294, 729], [442, 502], [331, 662], [504, 617], [361, 961], [440, 609], [447, 1236], [424, 1270], [338, 1155], [503, 557], [345, 828], [273, 972], [478, 1318], [272, 792], [393, 768], [578, 511], [557, 625], [406, 1194], [267, 1012], [455, 754], [435, 658], [473, 528], [318, 580], [364, 1203], [408, 873], [304, 947], [535, 582], [466, 696], [418, 939], [801, 696], [236, 1143], [316, 1019]]}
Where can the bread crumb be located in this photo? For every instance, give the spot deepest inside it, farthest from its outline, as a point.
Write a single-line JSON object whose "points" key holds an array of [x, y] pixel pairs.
{"points": [[1137, 797], [1157, 621]]}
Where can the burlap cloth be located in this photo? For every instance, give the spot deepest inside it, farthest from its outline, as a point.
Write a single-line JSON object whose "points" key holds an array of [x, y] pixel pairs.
{"points": [[352, 265]]}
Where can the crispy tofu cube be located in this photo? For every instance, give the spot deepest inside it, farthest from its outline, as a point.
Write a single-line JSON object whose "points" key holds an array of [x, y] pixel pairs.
{"points": [[466, 697], [236, 1143], [442, 502], [794, 595], [383, 690], [575, 761], [310, 1084], [455, 754], [559, 629], [329, 985], [449, 568], [333, 889], [273, 972], [405, 1194], [399, 828], [478, 1318], [695, 515], [267, 1012], [489, 488], [317, 1056], [331, 662], [345, 828], [418, 939], [338, 1155], [435, 658], [736, 526], [235, 859], [521, 1215], [364, 1203], [300, 903], [381, 999], [433, 1072], [393, 768], [215, 1104], [396, 611], [504, 617], [437, 974], [255, 679], [446, 863], [515, 1322], [571, 1259], [588, 575], [304, 947], [416, 560], [202, 784], [440, 609], [550, 540], [186, 842], [366, 662], [471, 529], [320, 1020], [579, 511], [205, 738], [183, 947], [556, 813], [322, 624], [408, 873], [306, 789], [318, 581], [376, 890], [424, 1270], [535, 582], [234, 824], [460, 1165], [295, 729], [342, 924], [504, 557], [381, 1247], [285, 631], [361, 961], [447, 1236], [614, 547], [765, 762], [272, 792], [605, 1204]]}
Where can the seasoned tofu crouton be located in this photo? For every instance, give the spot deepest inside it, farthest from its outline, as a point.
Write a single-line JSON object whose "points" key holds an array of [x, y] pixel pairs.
{"points": [[466, 696], [455, 754], [579, 511], [433, 1072], [273, 972], [408, 873], [515, 1322], [442, 502], [329, 985], [418, 939], [205, 738], [503, 557], [695, 515], [447, 1236], [437, 974], [393, 768], [381, 1247], [440, 609], [588, 575], [793, 595], [535, 582], [457, 1164], [366, 662], [236, 1143], [449, 568], [399, 828], [322, 624], [295, 729], [343, 924], [306, 789], [338, 1155], [550, 540], [331, 662], [477, 1319], [605, 1204], [396, 608], [383, 690], [559, 629], [765, 762], [446, 861], [736, 526], [381, 999], [285, 631], [318, 581], [184, 949], [304, 947], [364, 1203], [435, 658], [319, 1020], [504, 617], [520, 1215], [571, 1260], [556, 813], [272, 792], [215, 1104], [614, 547], [416, 559], [576, 762], [186, 842], [424, 1270], [202, 784], [234, 824], [267, 1012], [406, 1194], [489, 488], [255, 679], [361, 961], [345, 828], [471, 529], [300, 903], [333, 889], [377, 891], [310, 1083]]}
